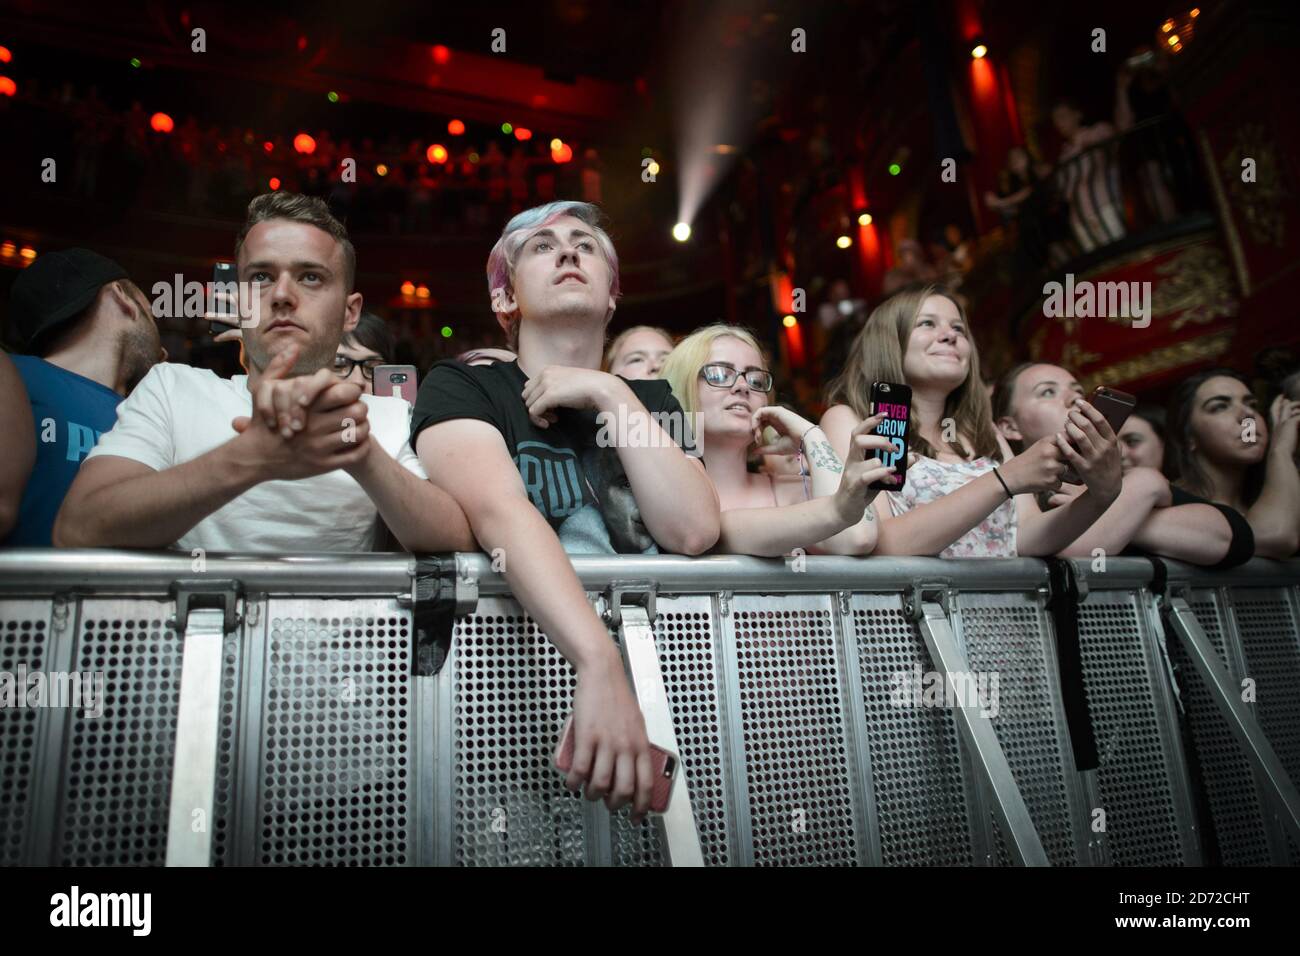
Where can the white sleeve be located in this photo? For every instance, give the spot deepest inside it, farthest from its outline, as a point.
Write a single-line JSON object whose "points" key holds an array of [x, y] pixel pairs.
{"points": [[408, 459], [143, 431]]}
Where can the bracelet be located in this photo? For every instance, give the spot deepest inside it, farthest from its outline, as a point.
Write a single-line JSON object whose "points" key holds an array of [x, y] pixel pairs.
{"points": [[998, 475], [805, 434]]}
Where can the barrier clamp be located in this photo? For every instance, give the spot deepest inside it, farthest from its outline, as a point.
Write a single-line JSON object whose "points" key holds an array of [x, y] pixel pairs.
{"points": [[630, 608], [442, 590], [206, 611], [928, 605], [1279, 790]]}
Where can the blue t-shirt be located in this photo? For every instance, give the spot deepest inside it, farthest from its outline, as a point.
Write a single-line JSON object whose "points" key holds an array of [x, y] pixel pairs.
{"points": [[70, 412]]}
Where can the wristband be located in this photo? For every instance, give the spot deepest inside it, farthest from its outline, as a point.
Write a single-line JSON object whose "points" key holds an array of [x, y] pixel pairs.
{"points": [[998, 475]]}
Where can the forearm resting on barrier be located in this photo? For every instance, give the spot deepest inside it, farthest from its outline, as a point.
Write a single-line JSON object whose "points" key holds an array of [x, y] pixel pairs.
{"points": [[120, 503]]}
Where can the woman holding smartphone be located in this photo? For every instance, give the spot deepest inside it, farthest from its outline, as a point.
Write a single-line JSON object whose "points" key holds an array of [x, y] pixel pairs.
{"points": [[1219, 447], [721, 378], [1035, 399], [965, 494]]}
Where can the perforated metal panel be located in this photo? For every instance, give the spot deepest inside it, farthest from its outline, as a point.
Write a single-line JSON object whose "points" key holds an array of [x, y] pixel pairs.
{"points": [[916, 768], [1143, 790], [23, 641], [1271, 647], [1004, 634], [336, 766], [692, 668], [801, 798], [227, 748], [117, 781], [1229, 783], [512, 692]]}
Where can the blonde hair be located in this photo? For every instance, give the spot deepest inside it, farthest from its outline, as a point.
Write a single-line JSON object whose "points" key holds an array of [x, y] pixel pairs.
{"points": [[682, 368], [623, 336], [876, 355]]}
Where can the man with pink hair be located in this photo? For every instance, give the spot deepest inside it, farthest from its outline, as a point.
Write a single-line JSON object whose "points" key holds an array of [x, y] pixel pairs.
{"points": [[520, 447]]}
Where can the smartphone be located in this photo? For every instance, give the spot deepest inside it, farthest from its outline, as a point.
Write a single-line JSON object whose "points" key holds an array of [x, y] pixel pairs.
{"points": [[224, 276], [1115, 406], [396, 380], [895, 402], [664, 763]]}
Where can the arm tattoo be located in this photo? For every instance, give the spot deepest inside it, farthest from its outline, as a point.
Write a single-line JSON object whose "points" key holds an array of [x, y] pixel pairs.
{"points": [[822, 455]]}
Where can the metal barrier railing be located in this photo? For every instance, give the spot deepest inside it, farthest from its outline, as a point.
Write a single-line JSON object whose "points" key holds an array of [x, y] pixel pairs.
{"points": [[281, 711]]}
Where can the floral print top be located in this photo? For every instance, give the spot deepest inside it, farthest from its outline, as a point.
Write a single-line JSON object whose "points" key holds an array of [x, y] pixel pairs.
{"points": [[929, 478]]}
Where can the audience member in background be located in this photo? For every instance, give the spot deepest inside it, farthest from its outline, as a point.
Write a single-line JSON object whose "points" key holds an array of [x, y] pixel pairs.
{"points": [[1035, 400], [1142, 439], [1218, 447], [965, 494], [287, 458], [1090, 184], [1016, 183], [638, 352], [910, 268], [362, 350], [518, 446], [719, 373], [92, 336]]}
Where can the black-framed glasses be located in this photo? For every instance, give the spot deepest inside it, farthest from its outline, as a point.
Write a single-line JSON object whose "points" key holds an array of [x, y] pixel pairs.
{"points": [[724, 376], [343, 366]]}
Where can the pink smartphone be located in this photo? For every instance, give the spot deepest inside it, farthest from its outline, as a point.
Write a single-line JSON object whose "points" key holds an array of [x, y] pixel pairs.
{"points": [[396, 380], [1115, 406], [663, 761]]}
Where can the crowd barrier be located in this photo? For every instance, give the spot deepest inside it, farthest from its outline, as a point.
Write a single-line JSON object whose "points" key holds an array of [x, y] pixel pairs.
{"points": [[393, 710]]}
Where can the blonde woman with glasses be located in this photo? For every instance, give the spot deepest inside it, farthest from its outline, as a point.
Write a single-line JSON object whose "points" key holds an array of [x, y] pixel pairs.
{"points": [[721, 378]]}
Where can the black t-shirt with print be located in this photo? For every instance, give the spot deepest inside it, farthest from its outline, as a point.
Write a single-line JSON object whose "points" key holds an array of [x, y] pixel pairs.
{"points": [[563, 467]]}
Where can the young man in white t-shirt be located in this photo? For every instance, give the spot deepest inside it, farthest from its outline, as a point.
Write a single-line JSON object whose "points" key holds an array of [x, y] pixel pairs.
{"points": [[286, 458]]}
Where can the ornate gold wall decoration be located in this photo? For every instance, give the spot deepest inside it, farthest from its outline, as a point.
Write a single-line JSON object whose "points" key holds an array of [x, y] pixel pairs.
{"points": [[1187, 352], [1259, 203], [1073, 355], [1197, 284]]}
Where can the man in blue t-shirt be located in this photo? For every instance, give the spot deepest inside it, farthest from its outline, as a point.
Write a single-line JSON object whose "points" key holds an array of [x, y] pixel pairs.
{"points": [[90, 336]]}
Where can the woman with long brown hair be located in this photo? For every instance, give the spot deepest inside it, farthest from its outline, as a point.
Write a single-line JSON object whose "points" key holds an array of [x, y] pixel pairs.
{"points": [[1219, 447], [966, 494]]}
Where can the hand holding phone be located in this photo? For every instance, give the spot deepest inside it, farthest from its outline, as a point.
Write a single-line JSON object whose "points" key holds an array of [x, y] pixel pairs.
{"points": [[663, 764], [1115, 406]]}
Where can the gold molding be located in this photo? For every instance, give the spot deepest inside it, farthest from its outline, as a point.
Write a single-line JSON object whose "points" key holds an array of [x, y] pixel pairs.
{"points": [[1186, 352], [1230, 233]]}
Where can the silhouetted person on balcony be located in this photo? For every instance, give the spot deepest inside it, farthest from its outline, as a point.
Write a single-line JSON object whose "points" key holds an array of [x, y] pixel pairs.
{"points": [[1088, 178]]}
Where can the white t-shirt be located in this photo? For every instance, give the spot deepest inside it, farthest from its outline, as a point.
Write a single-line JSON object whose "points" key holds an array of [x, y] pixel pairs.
{"points": [[178, 413]]}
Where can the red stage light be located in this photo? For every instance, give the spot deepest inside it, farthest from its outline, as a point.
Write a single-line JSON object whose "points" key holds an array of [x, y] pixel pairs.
{"points": [[302, 43], [304, 143], [275, 183], [436, 153], [268, 146], [522, 134], [456, 128], [161, 123], [5, 55], [7, 86], [441, 54], [563, 154]]}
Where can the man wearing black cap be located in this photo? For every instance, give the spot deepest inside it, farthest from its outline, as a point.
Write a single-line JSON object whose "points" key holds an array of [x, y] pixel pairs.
{"points": [[90, 336]]}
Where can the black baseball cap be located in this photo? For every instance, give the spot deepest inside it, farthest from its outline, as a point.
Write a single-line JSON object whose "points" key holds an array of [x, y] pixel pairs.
{"points": [[57, 287]]}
